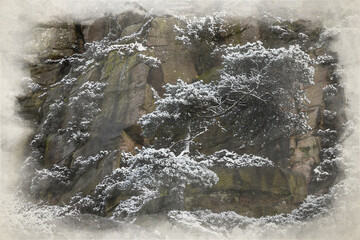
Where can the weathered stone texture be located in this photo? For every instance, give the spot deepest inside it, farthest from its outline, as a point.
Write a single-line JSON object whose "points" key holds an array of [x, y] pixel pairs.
{"points": [[128, 95]]}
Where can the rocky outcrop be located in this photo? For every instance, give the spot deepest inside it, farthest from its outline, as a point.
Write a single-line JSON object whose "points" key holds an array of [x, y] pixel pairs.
{"points": [[175, 57], [57, 39], [123, 77], [250, 191]]}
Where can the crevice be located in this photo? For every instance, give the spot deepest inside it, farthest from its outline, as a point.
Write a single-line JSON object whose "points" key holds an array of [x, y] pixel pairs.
{"points": [[134, 131], [156, 80], [80, 40]]}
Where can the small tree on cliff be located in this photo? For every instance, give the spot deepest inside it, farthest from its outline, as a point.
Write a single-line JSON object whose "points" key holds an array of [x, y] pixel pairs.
{"points": [[260, 92], [150, 174]]}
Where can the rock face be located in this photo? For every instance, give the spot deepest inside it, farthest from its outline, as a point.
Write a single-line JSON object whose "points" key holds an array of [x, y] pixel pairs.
{"points": [[250, 191], [175, 57], [57, 39], [72, 123]]}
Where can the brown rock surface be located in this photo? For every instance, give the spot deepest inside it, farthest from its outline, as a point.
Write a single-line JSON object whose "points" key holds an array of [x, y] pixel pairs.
{"points": [[128, 95]]}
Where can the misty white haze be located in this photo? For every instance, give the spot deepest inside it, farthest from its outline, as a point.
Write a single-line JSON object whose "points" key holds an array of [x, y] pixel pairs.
{"points": [[21, 220]]}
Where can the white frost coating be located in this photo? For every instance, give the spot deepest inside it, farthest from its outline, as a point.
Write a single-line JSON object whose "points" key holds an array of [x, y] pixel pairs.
{"points": [[338, 226], [278, 29], [324, 59], [30, 84], [77, 136], [89, 90], [200, 28], [255, 81], [233, 160], [55, 177], [331, 157], [86, 106], [53, 117], [183, 94], [329, 136], [104, 47], [179, 107], [130, 207], [258, 54], [331, 91], [82, 68], [149, 60], [83, 164], [137, 35], [274, 77], [329, 115], [149, 172], [66, 82], [332, 153], [281, 30]]}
